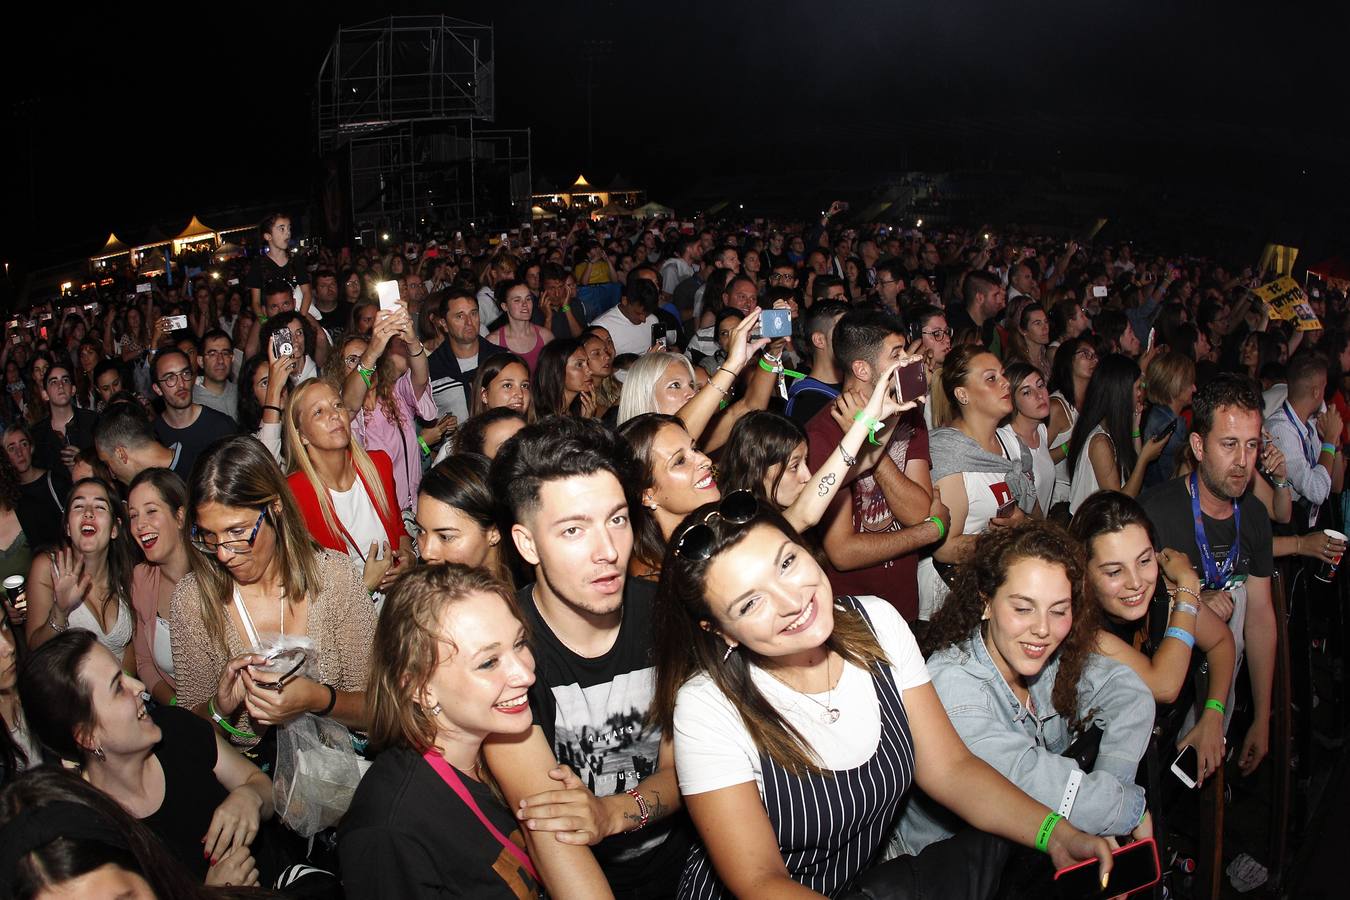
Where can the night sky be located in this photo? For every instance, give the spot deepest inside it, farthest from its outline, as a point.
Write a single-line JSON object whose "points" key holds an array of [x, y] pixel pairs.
{"points": [[118, 118]]}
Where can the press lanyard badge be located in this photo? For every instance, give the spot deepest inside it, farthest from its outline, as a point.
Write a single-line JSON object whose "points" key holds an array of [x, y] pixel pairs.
{"points": [[1217, 577]]}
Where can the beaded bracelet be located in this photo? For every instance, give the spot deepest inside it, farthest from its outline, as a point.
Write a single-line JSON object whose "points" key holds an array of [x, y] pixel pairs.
{"points": [[644, 813], [1180, 634]]}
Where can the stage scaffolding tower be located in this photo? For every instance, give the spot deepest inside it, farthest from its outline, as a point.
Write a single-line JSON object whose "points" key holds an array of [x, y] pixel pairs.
{"points": [[404, 108]]}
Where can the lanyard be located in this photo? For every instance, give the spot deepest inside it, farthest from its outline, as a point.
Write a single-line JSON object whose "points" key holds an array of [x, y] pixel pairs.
{"points": [[1216, 576], [456, 784], [1308, 453]]}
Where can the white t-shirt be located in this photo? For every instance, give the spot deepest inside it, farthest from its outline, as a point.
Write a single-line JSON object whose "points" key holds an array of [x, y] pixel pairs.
{"points": [[488, 310], [1042, 466], [985, 493], [356, 511], [713, 750], [628, 338], [1084, 476]]}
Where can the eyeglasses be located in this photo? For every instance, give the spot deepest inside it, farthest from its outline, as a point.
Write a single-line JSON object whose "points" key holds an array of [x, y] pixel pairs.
{"points": [[938, 334], [172, 378], [782, 276], [1087, 353], [237, 547], [353, 360], [888, 281], [696, 543]]}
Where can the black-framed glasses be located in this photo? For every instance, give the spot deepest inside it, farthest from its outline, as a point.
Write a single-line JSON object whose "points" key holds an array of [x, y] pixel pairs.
{"points": [[171, 378], [238, 546], [938, 333], [696, 542], [1087, 353]]}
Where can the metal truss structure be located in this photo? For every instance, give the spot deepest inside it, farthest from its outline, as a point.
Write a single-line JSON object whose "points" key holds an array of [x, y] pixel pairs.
{"points": [[404, 105]]}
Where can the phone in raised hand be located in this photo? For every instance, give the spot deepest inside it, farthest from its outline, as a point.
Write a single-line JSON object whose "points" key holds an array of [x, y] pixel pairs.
{"points": [[911, 383]]}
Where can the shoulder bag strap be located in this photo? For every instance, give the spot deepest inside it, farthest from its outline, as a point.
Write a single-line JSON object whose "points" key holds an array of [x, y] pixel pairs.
{"points": [[451, 777]]}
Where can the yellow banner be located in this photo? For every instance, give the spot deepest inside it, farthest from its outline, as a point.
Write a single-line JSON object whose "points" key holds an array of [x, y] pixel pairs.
{"points": [[1278, 258], [1287, 301]]}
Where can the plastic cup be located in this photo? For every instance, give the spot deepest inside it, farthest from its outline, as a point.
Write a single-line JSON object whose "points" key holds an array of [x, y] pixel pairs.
{"points": [[1327, 570]]}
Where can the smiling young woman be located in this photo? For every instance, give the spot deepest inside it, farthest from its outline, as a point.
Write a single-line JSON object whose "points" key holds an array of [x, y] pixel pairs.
{"points": [[783, 698]]}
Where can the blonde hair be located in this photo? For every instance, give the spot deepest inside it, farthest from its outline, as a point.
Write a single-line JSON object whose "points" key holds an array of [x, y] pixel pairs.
{"points": [[298, 460], [639, 385], [1169, 373]]}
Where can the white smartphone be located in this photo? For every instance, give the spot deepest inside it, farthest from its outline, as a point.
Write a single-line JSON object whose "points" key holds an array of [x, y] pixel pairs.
{"points": [[1187, 767], [175, 323], [1098, 290], [387, 291]]}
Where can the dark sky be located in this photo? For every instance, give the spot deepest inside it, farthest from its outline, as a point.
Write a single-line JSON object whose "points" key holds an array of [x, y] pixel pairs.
{"points": [[113, 119]]}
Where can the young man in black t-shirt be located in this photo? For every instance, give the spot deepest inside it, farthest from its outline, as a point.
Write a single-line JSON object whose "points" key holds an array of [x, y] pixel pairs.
{"points": [[566, 482], [1226, 439], [191, 425]]}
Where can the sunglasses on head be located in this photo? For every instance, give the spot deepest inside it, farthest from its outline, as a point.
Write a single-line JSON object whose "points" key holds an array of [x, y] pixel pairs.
{"points": [[696, 542]]}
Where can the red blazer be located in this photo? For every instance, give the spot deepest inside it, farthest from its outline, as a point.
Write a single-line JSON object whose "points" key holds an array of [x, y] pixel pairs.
{"points": [[333, 540]]}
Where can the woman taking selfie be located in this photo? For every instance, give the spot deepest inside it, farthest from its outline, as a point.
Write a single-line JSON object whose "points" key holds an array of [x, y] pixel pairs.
{"points": [[85, 583], [257, 574], [164, 766], [345, 495], [457, 517], [156, 511], [1011, 658], [451, 666], [782, 697], [1162, 617]]}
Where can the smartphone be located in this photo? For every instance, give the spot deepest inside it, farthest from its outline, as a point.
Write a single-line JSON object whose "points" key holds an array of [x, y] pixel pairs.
{"points": [[1168, 429], [387, 291], [1152, 337], [659, 334], [91, 307], [1136, 867], [1006, 509], [775, 323], [281, 344], [910, 382], [144, 288], [1187, 767], [1098, 290], [175, 323]]}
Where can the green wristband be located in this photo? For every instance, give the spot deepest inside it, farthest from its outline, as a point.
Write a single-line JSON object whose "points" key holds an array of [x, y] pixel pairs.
{"points": [[1216, 706], [173, 701], [1329, 448], [872, 423], [942, 529], [421, 442], [228, 728], [1043, 836]]}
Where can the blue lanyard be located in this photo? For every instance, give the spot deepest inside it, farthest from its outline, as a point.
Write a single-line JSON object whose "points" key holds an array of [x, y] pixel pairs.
{"points": [[1308, 453], [1217, 577]]}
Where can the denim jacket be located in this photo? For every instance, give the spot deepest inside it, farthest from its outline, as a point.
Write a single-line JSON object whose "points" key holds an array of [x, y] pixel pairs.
{"points": [[1025, 747]]}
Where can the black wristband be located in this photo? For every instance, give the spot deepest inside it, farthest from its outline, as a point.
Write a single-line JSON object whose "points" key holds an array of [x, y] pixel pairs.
{"points": [[332, 701], [279, 410]]}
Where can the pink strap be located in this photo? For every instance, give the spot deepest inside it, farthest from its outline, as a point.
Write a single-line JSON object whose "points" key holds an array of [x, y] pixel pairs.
{"points": [[451, 777]]}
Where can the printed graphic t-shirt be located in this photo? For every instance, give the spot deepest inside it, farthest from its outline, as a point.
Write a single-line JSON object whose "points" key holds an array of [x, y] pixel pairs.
{"points": [[593, 712]]}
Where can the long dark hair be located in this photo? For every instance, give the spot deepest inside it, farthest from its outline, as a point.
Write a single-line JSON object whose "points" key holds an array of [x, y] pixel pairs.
{"points": [[978, 580], [684, 648], [12, 756], [1061, 370], [461, 481], [121, 560], [250, 410], [56, 703], [550, 379], [1108, 512], [758, 441], [1109, 403], [649, 545], [49, 799]]}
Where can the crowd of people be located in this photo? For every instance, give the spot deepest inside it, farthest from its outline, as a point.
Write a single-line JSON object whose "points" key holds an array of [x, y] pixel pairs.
{"points": [[610, 583]]}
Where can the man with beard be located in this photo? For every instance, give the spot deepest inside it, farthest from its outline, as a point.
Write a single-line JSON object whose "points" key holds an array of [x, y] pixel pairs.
{"points": [[184, 421], [1225, 530]]}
